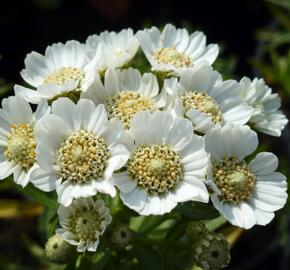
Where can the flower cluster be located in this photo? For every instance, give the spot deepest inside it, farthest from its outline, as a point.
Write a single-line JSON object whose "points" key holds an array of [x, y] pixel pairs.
{"points": [[177, 133]]}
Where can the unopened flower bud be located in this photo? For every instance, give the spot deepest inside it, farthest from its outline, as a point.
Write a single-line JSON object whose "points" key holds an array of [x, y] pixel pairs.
{"points": [[212, 252], [120, 235], [196, 231], [58, 250]]}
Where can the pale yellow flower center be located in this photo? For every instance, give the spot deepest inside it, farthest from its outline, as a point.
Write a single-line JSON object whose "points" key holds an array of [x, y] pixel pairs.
{"points": [[64, 75], [126, 104], [155, 168], [202, 102], [171, 56], [234, 179], [82, 157], [21, 145]]}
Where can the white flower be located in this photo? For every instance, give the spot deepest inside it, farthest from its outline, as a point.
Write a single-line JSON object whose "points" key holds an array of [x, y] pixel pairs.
{"points": [[167, 165], [267, 117], [174, 49], [126, 92], [77, 150], [206, 99], [83, 223], [17, 138], [245, 194], [118, 49], [63, 69]]}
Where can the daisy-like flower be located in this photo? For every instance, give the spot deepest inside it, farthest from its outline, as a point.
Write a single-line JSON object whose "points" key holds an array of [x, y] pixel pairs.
{"points": [[65, 69], [17, 138], [83, 223], [206, 99], [118, 49], [78, 149], [245, 194], [267, 117], [126, 92], [167, 165], [174, 50]]}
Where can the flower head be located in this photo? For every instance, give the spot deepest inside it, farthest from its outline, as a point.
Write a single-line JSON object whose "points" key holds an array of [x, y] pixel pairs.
{"points": [[83, 223], [118, 49], [64, 70], [244, 193], [206, 99], [174, 50], [126, 92], [78, 150], [167, 164], [18, 143], [266, 117]]}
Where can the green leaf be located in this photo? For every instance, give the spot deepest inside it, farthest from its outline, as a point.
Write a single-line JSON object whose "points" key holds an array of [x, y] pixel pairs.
{"points": [[196, 210], [38, 196]]}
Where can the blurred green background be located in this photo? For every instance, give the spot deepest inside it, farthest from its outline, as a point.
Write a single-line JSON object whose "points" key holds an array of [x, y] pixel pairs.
{"points": [[254, 37]]}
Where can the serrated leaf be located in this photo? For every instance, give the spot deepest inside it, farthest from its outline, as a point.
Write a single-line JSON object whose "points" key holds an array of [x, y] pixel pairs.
{"points": [[196, 210]]}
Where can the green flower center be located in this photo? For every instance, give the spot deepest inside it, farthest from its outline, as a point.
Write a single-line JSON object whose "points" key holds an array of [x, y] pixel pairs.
{"points": [[82, 157], [155, 168], [85, 224], [21, 145], [234, 179], [126, 104], [171, 56]]}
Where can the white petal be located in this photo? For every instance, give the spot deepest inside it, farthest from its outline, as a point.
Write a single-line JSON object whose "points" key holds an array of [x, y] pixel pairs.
{"points": [[135, 200], [264, 163], [7, 168], [43, 180], [124, 182]]}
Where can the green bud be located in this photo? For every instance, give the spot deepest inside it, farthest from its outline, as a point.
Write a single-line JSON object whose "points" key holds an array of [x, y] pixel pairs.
{"points": [[58, 250], [212, 252], [196, 231], [120, 235]]}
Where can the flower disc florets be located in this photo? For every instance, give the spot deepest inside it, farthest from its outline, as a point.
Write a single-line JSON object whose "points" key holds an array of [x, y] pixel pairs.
{"points": [[202, 102], [84, 224], [21, 145], [234, 179], [82, 157], [172, 57], [156, 168], [65, 75], [126, 104]]}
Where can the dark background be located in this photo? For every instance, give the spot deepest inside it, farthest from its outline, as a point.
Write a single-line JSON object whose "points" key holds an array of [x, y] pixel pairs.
{"points": [[35, 24]]}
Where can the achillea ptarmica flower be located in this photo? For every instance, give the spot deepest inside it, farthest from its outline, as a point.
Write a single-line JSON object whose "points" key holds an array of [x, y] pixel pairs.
{"points": [[167, 164], [120, 235], [206, 99], [126, 92], [58, 250], [245, 194], [17, 138], [174, 50], [78, 150], [212, 252], [266, 117], [64, 69], [118, 49], [83, 223]]}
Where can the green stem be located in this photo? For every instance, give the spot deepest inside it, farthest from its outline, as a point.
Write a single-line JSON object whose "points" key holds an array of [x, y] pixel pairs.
{"points": [[215, 224]]}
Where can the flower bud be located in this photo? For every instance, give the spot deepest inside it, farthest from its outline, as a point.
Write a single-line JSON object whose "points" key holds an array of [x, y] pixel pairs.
{"points": [[120, 235], [196, 231], [58, 250], [212, 252]]}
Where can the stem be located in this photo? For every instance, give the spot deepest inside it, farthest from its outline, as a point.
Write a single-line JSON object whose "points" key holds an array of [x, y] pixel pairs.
{"points": [[215, 224]]}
